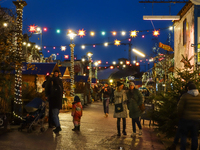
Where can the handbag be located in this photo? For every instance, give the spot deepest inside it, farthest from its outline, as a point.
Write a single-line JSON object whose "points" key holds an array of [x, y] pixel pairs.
{"points": [[142, 107], [119, 107]]}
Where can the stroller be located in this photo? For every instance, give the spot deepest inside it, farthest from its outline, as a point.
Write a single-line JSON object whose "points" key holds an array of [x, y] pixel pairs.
{"points": [[36, 115]]}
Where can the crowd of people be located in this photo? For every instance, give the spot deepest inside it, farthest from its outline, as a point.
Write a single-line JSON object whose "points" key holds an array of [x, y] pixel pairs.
{"points": [[126, 99]]}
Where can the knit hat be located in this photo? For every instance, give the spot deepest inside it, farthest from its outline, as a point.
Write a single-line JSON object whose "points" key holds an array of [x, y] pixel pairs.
{"points": [[119, 83], [192, 86], [76, 99], [131, 83]]}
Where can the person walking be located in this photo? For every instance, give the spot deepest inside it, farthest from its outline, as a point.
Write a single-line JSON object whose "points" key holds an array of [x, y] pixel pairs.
{"points": [[77, 111], [135, 99], [120, 97], [106, 91], [189, 113], [50, 119], [54, 91]]}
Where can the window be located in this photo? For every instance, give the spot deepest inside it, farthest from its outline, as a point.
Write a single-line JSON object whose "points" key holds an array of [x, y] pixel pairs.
{"points": [[184, 32]]}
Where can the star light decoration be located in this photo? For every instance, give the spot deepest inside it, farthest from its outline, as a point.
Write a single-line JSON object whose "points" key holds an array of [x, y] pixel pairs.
{"points": [[63, 48], [117, 42], [133, 33], [32, 28], [156, 33], [81, 33]]}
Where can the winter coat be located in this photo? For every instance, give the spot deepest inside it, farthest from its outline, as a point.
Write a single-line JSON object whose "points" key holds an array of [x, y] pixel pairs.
{"points": [[107, 93], [77, 110], [54, 92], [189, 105], [135, 99], [120, 97]]}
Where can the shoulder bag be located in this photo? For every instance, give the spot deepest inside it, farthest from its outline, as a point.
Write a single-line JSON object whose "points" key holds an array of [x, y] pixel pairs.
{"points": [[119, 107]]}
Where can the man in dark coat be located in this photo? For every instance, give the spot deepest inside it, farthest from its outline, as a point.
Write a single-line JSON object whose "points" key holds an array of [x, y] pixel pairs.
{"points": [[189, 113], [54, 91]]}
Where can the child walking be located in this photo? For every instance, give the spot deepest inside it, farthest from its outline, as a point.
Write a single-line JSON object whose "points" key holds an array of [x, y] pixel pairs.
{"points": [[76, 113]]}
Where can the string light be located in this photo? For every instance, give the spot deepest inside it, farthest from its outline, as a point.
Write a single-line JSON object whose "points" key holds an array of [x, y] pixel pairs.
{"points": [[92, 33], [123, 33], [114, 33], [133, 33], [81, 33], [117, 42], [156, 33], [103, 32], [83, 46], [106, 44]]}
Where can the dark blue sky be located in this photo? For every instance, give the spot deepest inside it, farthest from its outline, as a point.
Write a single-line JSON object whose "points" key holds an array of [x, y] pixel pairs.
{"points": [[95, 15]]}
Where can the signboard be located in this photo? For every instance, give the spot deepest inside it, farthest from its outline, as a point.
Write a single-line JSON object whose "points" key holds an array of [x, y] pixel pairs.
{"points": [[165, 47]]}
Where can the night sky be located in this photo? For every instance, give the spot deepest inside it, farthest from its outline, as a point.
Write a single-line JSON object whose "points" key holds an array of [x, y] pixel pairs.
{"points": [[97, 16]]}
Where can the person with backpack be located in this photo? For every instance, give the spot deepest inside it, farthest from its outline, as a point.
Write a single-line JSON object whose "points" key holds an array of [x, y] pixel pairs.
{"points": [[77, 111], [54, 92]]}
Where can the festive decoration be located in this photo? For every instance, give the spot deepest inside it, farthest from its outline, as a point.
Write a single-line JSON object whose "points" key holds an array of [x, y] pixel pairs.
{"points": [[32, 28], [133, 33], [165, 47], [63, 48], [156, 33], [117, 42], [81, 33], [114, 33], [66, 56]]}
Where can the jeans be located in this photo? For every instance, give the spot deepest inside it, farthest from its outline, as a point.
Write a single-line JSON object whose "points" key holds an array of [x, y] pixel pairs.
{"points": [[187, 126], [55, 113], [106, 105], [136, 120], [124, 124]]}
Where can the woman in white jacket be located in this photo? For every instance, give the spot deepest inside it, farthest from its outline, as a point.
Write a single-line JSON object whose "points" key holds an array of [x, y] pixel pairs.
{"points": [[120, 97]]}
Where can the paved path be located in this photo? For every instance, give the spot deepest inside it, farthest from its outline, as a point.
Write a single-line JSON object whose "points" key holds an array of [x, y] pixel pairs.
{"points": [[97, 133]]}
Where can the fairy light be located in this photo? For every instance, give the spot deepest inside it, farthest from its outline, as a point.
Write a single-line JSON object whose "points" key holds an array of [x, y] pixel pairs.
{"points": [[106, 44], [117, 42], [156, 33], [133, 33], [114, 33], [83, 46], [92, 33], [123, 33], [81, 33], [63, 48], [103, 32]]}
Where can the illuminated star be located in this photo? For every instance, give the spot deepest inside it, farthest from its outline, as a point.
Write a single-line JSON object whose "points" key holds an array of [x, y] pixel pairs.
{"points": [[81, 33], [133, 33], [156, 32], [117, 42], [32, 28]]}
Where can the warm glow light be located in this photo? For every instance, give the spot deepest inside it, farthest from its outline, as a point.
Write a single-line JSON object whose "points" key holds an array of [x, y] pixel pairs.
{"points": [[114, 62], [111, 81], [54, 47], [94, 45], [48, 51], [114, 33], [138, 52], [5, 24], [127, 62], [32, 28], [111, 67], [81, 33], [57, 53], [161, 17], [96, 63], [28, 44], [106, 44], [71, 34], [83, 59], [142, 36], [171, 28], [36, 46], [99, 61], [137, 64], [150, 60], [117, 42], [124, 66], [133, 33], [121, 62], [39, 30], [24, 43], [92, 33], [83, 46], [156, 32], [39, 48], [66, 56], [63, 48], [129, 39], [45, 47], [89, 54], [134, 61], [123, 33]]}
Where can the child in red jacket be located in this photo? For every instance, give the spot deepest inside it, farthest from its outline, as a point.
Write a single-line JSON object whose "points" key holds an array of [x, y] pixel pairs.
{"points": [[76, 113]]}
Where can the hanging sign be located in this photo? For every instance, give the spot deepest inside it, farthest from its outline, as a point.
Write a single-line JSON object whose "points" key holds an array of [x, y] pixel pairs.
{"points": [[165, 47]]}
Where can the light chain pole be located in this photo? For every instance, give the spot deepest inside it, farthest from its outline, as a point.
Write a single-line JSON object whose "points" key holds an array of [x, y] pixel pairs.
{"points": [[18, 67], [90, 73], [72, 69]]}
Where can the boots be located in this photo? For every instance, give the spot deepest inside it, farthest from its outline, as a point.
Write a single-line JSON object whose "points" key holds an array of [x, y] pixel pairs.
{"points": [[118, 129], [124, 126], [78, 128], [75, 128], [57, 130]]}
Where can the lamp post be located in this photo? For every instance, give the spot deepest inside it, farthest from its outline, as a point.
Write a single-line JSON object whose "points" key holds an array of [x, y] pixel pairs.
{"points": [[96, 64], [72, 35], [89, 54]]}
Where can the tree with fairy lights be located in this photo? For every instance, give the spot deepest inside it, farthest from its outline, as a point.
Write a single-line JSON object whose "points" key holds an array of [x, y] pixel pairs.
{"points": [[165, 114]]}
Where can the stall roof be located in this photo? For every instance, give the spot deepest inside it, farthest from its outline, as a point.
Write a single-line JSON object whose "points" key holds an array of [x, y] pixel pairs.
{"points": [[104, 74]]}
